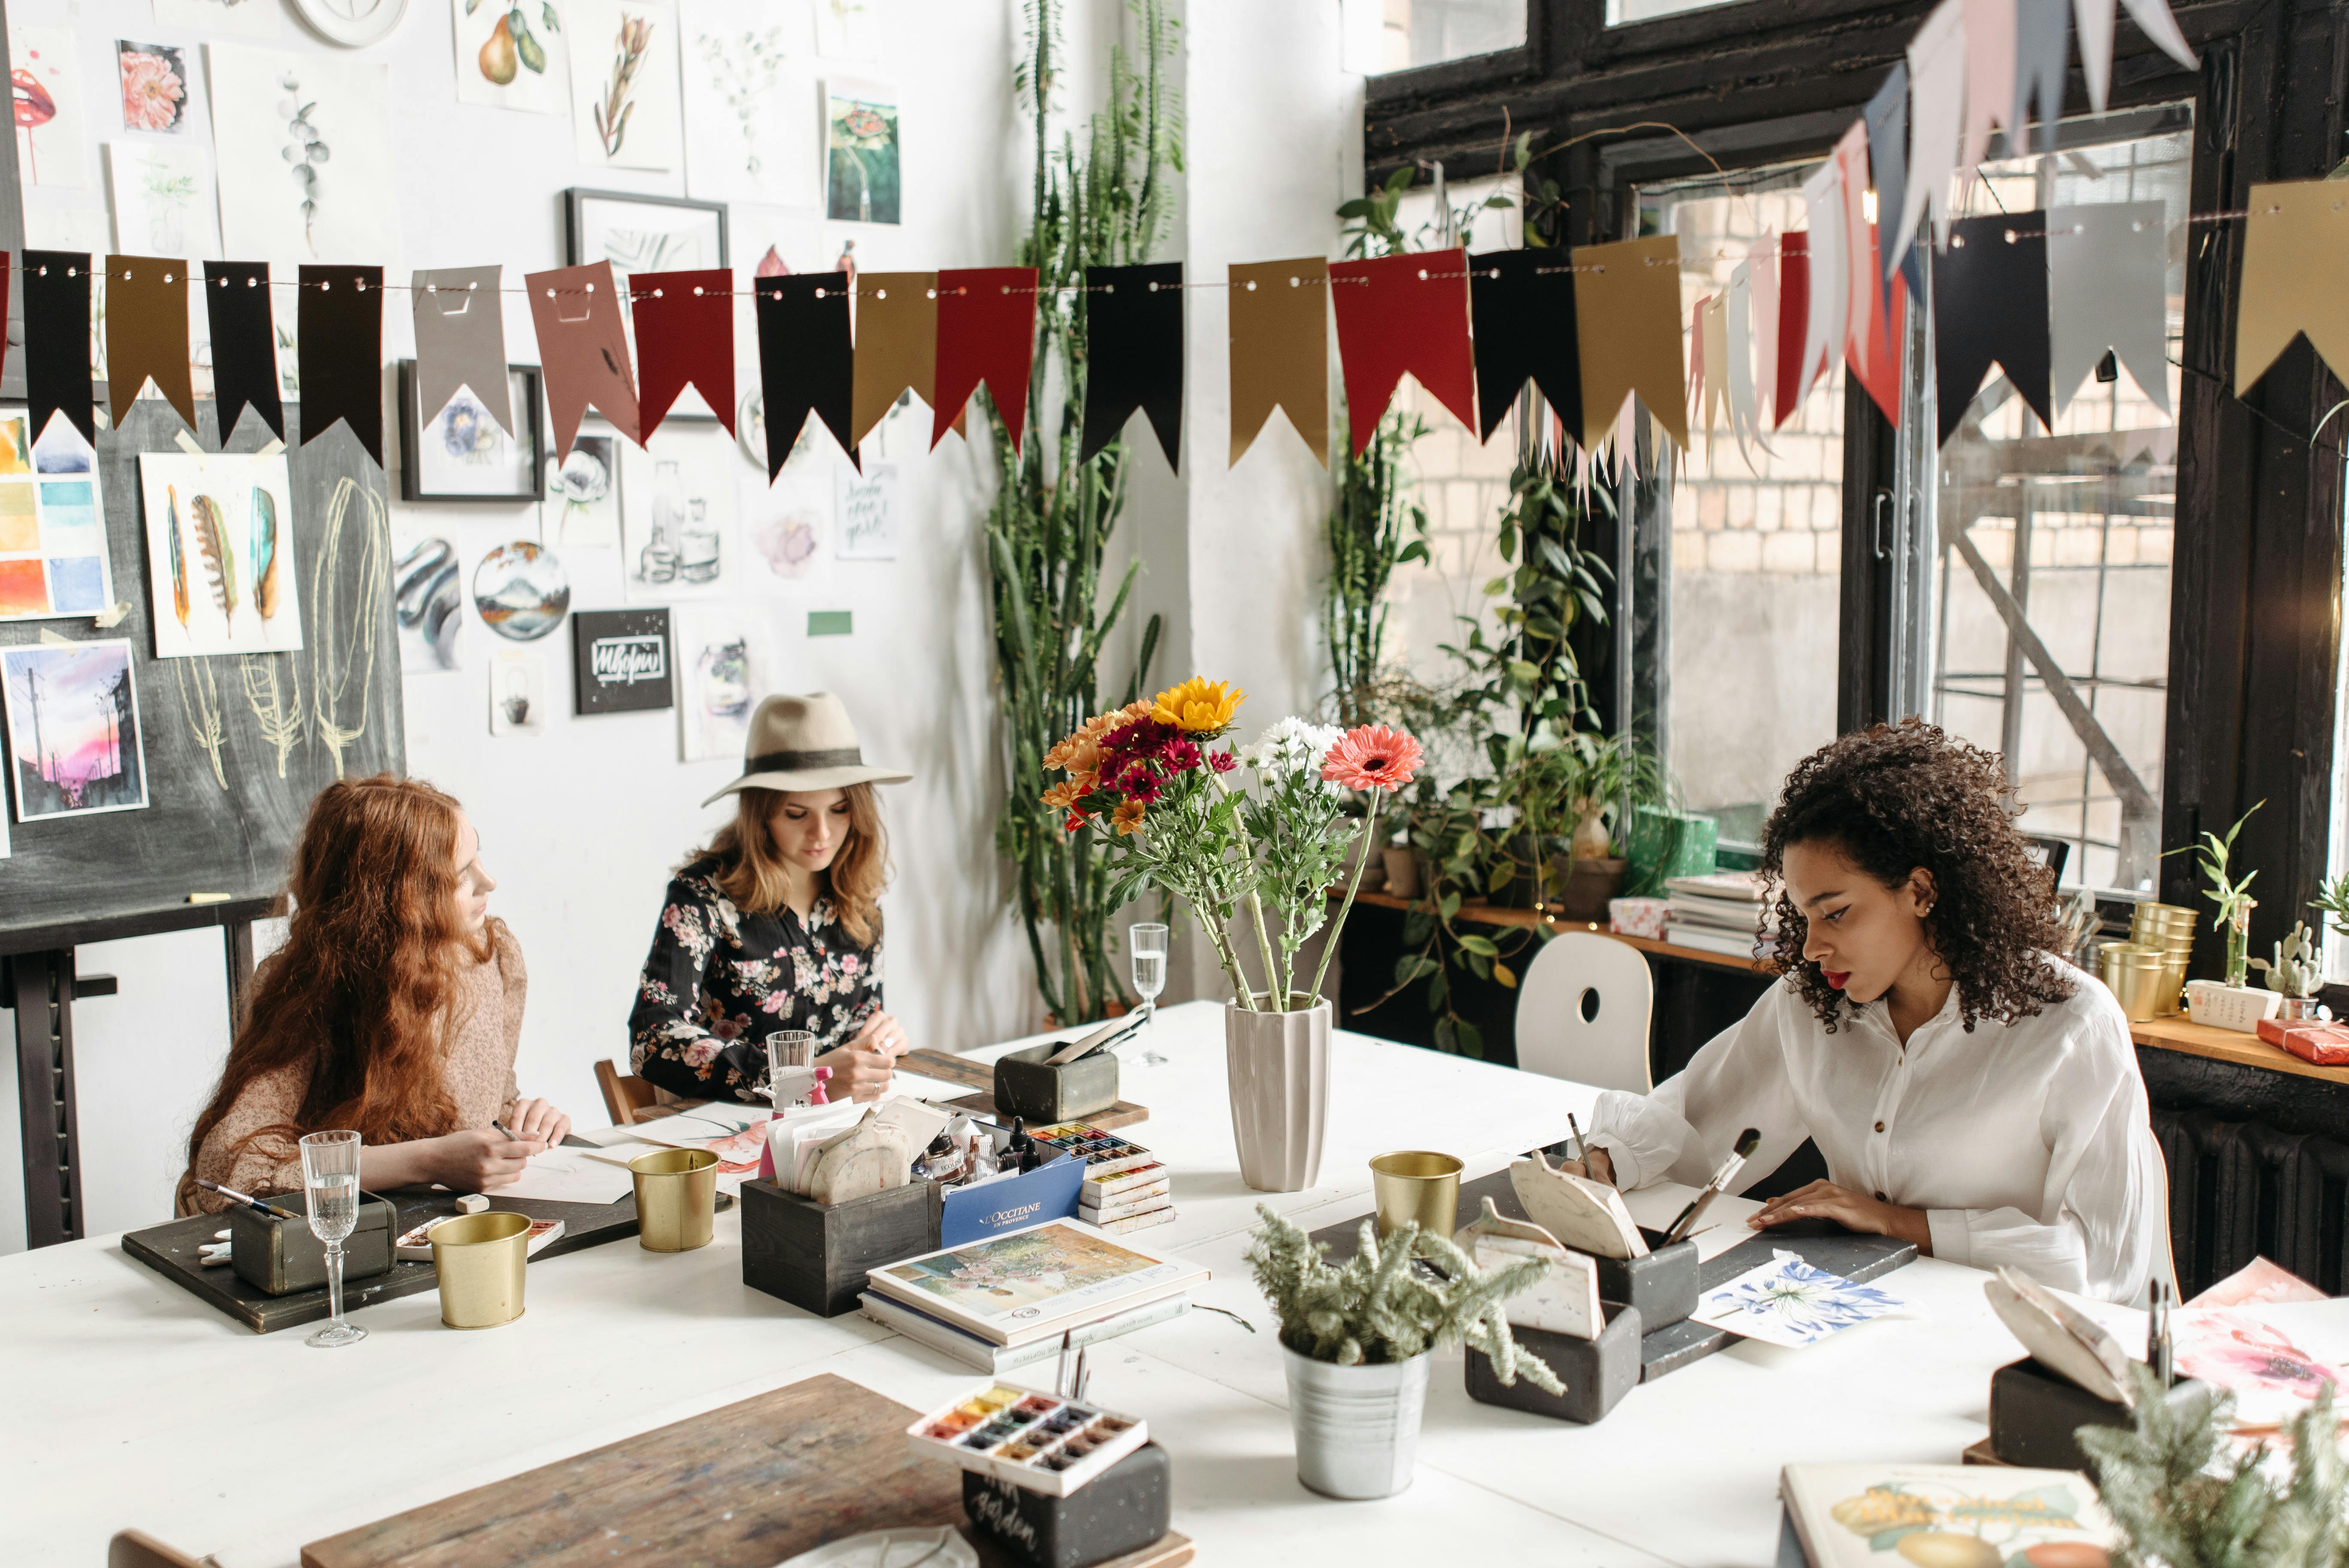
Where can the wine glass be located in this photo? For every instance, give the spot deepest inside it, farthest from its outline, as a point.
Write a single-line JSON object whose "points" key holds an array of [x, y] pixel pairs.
{"points": [[330, 1180], [1147, 941], [787, 1049]]}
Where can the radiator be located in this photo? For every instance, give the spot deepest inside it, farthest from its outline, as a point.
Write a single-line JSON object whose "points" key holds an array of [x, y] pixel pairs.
{"points": [[2242, 1190]]}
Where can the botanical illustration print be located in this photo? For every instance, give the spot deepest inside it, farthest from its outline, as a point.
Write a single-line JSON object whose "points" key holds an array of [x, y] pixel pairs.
{"points": [[463, 451], [624, 83], [722, 657], [847, 29], [221, 574], [163, 197], [1788, 1301], [1010, 1274], [861, 160], [303, 147], [1921, 1519], [2271, 1377], [513, 54], [749, 132], [582, 510], [73, 728], [651, 251], [154, 87], [48, 81]]}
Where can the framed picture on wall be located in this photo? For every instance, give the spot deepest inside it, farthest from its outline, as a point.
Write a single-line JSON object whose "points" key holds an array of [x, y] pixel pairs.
{"points": [[642, 233], [461, 453]]}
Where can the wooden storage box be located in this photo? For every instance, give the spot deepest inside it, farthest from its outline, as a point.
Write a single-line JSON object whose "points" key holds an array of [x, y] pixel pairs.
{"points": [[1125, 1508], [279, 1257], [2034, 1413], [1662, 1285], [816, 1256], [1596, 1372], [1040, 1094]]}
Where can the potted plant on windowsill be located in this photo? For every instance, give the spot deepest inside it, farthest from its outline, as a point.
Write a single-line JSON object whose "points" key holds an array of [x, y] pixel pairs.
{"points": [[1356, 1342], [1257, 859]]}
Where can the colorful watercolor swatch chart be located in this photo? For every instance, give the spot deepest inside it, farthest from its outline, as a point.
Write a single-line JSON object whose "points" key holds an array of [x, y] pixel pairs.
{"points": [[52, 558], [220, 575]]}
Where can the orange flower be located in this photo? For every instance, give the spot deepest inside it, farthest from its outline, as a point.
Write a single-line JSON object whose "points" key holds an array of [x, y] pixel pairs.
{"points": [[1372, 757], [1081, 752], [1127, 818], [1064, 796]]}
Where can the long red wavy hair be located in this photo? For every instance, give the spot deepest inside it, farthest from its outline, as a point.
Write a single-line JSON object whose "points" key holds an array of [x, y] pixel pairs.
{"points": [[356, 1000]]}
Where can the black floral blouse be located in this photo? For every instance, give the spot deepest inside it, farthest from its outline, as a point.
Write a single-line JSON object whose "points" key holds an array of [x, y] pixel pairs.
{"points": [[718, 981]]}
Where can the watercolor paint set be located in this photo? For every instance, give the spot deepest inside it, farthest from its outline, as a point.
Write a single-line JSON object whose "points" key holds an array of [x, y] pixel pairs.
{"points": [[1039, 1442], [1104, 1153]]}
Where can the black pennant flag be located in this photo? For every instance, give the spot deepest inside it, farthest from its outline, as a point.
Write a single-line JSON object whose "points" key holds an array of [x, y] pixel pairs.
{"points": [[1989, 306], [57, 341], [807, 360], [1522, 306], [244, 345], [1134, 354], [338, 332]]}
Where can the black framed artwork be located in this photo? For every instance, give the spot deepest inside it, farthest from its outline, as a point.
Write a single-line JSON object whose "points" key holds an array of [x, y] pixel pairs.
{"points": [[620, 661], [642, 233], [461, 453]]}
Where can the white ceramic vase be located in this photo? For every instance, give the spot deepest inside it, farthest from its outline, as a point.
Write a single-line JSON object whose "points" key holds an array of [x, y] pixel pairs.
{"points": [[1279, 1065], [1356, 1427]]}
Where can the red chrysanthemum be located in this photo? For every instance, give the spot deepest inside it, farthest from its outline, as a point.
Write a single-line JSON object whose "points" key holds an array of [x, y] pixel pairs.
{"points": [[1223, 761], [1180, 755], [1372, 757]]}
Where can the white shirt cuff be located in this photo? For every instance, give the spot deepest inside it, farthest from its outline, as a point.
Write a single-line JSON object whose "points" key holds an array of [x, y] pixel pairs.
{"points": [[1952, 1239], [1619, 1154]]}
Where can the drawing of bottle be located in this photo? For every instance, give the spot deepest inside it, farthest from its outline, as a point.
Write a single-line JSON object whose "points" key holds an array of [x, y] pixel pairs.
{"points": [[658, 562], [697, 559]]}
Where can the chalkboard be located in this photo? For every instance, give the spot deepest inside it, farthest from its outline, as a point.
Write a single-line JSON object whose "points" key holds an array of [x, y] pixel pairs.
{"points": [[197, 833]]}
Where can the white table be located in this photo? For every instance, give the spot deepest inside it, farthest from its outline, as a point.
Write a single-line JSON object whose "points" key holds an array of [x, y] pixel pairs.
{"points": [[129, 1403]]}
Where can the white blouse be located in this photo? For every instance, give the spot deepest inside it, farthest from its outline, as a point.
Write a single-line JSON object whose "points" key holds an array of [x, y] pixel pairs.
{"points": [[2026, 1143]]}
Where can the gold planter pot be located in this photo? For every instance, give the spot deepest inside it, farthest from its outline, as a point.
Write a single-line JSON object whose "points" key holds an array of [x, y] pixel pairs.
{"points": [[676, 1199], [1415, 1185], [482, 1260], [2136, 975]]}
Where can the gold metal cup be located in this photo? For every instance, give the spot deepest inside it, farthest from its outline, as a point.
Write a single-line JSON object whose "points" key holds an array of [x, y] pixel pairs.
{"points": [[482, 1260], [2137, 977], [1415, 1185], [676, 1199]]}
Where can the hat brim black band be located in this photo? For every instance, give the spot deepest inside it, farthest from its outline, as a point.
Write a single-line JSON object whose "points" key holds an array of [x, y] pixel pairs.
{"points": [[805, 761]]}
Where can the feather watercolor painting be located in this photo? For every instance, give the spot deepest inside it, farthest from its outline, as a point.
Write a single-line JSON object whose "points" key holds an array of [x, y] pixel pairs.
{"points": [[218, 523], [1788, 1301]]}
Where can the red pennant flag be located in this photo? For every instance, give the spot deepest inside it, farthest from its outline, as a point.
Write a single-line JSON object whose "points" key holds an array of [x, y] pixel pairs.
{"points": [[583, 350], [1879, 370], [685, 335], [1794, 322], [1398, 314], [987, 332]]}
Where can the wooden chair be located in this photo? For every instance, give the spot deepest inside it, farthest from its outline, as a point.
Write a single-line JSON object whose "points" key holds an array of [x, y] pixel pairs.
{"points": [[623, 1096], [137, 1549], [1583, 1010]]}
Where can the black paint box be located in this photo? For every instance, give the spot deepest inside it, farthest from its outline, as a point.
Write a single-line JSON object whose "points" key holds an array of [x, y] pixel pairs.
{"points": [[1662, 1285], [1126, 1508], [1596, 1372], [816, 1256], [282, 1258], [1028, 1086], [2035, 1415]]}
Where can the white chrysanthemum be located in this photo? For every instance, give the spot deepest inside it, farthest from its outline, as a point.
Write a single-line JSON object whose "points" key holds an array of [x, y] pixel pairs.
{"points": [[1290, 746]]}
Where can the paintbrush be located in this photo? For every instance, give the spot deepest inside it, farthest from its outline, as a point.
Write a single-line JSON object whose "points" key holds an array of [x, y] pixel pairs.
{"points": [[1108, 1035], [256, 1204], [1746, 1142]]}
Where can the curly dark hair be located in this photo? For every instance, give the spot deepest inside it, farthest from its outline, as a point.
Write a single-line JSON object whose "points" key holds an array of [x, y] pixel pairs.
{"points": [[1899, 796]]}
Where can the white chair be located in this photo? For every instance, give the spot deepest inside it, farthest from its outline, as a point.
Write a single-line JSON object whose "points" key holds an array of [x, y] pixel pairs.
{"points": [[1582, 1012]]}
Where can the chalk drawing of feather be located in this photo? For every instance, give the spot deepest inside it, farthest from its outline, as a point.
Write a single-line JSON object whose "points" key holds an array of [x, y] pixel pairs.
{"points": [[179, 556], [264, 553], [213, 547]]}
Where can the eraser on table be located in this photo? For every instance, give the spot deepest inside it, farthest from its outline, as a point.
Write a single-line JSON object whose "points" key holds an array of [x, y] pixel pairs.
{"points": [[472, 1204], [208, 898]]}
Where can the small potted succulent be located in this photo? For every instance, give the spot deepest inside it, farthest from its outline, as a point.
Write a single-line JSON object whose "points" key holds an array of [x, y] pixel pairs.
{"points": [[2294, 972], [1356, 1340]]}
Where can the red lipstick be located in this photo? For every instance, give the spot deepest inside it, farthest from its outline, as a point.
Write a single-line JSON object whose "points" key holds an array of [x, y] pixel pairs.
{"points": [[1836, 978]]}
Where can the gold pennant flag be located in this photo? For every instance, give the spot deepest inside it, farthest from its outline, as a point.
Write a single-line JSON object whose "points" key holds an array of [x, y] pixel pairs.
{"points": [[897, 346], [147, 333], [1280, 350], [1627, 312], [2294, 237]]}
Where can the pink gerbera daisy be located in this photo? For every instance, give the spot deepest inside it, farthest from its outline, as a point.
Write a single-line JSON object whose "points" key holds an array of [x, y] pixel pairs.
{"points": [[1372, 757]]}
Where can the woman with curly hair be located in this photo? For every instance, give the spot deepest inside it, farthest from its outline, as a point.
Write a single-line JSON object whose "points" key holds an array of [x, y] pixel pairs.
{"points": [[1972, 1092]]}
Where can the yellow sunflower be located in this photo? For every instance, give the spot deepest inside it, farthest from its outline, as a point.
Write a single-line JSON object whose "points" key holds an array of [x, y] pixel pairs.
{"points": [[1198, 706]]}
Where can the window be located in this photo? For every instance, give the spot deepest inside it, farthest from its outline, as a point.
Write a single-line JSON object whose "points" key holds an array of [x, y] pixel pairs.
{"points": [[1621, 11], [1428, 32]]}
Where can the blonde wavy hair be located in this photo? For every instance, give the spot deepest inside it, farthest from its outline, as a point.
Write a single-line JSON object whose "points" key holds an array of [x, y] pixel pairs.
{"points": [[755, 877]]}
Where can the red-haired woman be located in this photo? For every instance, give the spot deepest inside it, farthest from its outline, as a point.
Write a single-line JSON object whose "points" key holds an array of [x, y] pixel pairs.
{"points": [[776, 923], [393, 1008]]}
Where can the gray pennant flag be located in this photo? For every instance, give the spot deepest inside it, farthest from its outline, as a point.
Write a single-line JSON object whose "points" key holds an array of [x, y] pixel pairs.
{"points": [[2107, 288], [461, 341], [2042, 34]]}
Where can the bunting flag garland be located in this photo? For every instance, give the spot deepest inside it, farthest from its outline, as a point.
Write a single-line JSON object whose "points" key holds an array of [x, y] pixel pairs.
{"points": [[897, 346], [1824, 328], [244, 345], [1989, 306], [2296, 232], [2043, 40], [1886, 118], [1133, 355], [7, 273], [987, 332], [461, 341], [1937, 109], [583, 350], [1627, 307], [147, 333], [1521, 308], [1399, 314], [807, 364], [1744, 416], [57, 341], [1764, 261], [1280, 351], [2107, 283], [684, 338], [1709, 364], [1989, 75], [1794, 324], [1879, 368], [338, 353], [1863, 281]]}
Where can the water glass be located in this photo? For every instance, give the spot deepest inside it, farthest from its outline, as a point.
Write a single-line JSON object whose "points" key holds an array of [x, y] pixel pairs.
{"points": [[330, 1181], [1147, 942], [787, 1049]]}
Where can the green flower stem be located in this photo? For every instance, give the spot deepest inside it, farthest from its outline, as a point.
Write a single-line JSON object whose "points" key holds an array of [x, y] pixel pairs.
{"points": [[1370, 836], [1272, 973]]}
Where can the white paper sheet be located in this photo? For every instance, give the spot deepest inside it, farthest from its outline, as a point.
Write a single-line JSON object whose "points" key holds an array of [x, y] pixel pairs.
{"points": [[570, 1176], [311, 188]]}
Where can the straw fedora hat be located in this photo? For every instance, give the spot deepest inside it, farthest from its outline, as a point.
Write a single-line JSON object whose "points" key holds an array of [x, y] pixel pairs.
{"points": [[800, 743]]}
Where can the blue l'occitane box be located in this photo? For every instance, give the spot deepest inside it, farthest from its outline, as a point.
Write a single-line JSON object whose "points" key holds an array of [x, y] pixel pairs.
{"points": [[1047, 1192]]}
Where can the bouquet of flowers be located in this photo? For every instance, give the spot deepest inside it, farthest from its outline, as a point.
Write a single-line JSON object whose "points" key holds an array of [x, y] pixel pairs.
{"points": [[1183, 822]]}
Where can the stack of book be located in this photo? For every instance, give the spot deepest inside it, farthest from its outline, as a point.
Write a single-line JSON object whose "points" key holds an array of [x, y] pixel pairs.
{"points": [[1721, 912], [1126, 1187]]}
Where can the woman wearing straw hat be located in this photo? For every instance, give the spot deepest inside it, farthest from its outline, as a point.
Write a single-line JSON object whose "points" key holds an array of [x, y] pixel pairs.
{"points": [[774, 924]]}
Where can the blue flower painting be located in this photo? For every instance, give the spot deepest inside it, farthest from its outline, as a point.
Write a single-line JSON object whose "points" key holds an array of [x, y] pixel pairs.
{"points": [[1788, 1301]]}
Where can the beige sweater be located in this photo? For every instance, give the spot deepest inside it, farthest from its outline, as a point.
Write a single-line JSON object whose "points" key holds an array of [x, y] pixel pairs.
{"points": [[487, 1010]]}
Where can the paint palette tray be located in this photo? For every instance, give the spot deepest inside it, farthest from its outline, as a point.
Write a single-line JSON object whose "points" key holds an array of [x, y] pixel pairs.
{"points": [[1038, 1442], [1104, 1153]]}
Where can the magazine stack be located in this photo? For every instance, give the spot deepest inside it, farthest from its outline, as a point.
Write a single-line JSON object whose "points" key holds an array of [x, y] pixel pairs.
{"points": [[1721, 912]]}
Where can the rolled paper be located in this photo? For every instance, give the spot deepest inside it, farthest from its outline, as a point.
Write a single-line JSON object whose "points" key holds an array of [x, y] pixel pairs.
{"points": [[2294, 240], [583, 350], [1521, 304], [684, 338], [2108, 288], [805, 359], [57, 341], [897, 346], [1990, 307], [338, 350], [1627, 308], [244, 345], [1793, 323], [1403, 313], [1280, 350], [147, 333], [986, 333], [460, 340], [1134, 354]]}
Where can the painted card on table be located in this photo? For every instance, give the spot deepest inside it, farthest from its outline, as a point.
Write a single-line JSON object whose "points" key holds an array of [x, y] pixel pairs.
{"points": [[164, 204], [1898, 1516], [221, 577], [677, 516], [74, 739], [865, 505], [623, 107], [53, 556], [303, 144], [159, 90], [2273, 1358], [512, 55], [50, 149], [239, 18], [582, 508], [861, 152], [517, 692], [749, 102], [725, 664], [1788, 1301]]}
